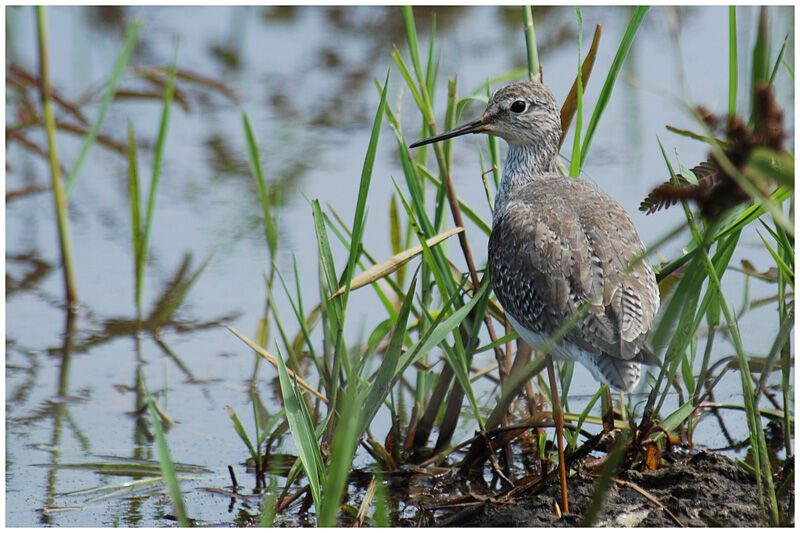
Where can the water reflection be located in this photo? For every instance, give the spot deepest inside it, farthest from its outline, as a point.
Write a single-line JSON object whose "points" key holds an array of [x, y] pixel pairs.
{"points": [[56, 409]]}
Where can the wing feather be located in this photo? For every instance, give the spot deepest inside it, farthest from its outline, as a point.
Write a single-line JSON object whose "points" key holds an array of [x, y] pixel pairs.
{"points": [[560, 244]]}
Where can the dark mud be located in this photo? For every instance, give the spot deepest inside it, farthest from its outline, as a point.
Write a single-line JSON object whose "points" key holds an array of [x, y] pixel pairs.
{"points": [[700, 490]]}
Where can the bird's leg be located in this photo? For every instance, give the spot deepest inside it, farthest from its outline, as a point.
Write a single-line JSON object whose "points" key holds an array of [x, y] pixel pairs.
{"points": [[558, 417], [608, 410]]}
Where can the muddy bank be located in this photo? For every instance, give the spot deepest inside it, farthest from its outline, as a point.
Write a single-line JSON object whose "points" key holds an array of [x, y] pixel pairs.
{"points": [[699, 490]]}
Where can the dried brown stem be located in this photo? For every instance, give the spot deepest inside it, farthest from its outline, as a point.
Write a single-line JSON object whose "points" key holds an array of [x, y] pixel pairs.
{"points": [[558, 416]]}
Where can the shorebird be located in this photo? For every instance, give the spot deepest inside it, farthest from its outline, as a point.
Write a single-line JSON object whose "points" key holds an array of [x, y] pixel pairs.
{"points": [[561, 249]]}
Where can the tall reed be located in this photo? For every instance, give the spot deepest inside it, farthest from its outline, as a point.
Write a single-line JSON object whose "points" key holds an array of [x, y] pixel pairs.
{"points": [[59, 194]]}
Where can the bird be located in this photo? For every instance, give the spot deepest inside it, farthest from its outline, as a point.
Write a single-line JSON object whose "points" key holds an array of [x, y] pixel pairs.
{"points": [[559, 243], [561, 249]]}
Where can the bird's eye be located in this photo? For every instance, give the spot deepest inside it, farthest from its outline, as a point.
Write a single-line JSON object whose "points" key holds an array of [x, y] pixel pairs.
{"points": [[518, 106]]}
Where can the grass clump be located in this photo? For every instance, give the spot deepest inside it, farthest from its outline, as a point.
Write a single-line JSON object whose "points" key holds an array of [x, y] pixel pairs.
{"points": [[442, 311]]}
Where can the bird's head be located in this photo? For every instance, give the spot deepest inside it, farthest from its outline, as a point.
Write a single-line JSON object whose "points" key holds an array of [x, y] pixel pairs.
{"points": [[522, 113]]}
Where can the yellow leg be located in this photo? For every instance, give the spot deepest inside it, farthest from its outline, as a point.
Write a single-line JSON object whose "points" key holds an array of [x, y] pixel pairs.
{"points": [[558, 418]]}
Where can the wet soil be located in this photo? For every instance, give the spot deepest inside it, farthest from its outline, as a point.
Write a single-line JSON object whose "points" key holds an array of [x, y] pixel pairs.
{"points": [[700, 490]]}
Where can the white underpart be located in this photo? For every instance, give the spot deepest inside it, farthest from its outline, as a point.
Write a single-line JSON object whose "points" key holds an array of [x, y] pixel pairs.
{"points": [[569, 352]]}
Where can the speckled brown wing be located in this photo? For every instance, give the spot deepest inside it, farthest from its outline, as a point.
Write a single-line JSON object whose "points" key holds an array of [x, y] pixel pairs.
{"points": [[560, 243], [631, 291]]}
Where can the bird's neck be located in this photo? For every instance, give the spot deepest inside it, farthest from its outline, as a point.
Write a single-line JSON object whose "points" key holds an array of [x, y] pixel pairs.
{"points": [[524, 164]]}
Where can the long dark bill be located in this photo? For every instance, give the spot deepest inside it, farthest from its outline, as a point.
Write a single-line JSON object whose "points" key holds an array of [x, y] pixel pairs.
{"points": [[471, 127]]}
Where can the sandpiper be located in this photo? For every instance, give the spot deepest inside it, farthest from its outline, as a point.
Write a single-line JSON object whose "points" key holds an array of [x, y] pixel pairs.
{"points": [[561, 249]]}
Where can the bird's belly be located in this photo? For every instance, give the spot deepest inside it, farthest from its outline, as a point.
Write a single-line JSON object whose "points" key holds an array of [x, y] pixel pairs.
{"points": [[538, 341], [619, 374]]}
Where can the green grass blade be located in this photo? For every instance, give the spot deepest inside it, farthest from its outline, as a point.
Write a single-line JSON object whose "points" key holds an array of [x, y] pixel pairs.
{"points": [[611, 78], [457, 360], [335, 312], [119, 67], [682, 307], [59, 196], [292, 355], [499, 342], [343, 449], [721, 259], [786, 269], [686, 296], [270, 225], [381, 515], [582, 418], [439, 331], [449, 123], [375, 339], [239, 428], [675, 419], [515, 381], [779, 60], [355, 280], [305, 439], [757, 440], [432, 257], [788, 68], [690, 281], [387, 372], [363, 190], [414, 184], [530, 43], [256, 405], [466, 210], [785, 245], [760, 68], [151, 201], [167, 467], [269, 504], [297, 307], [401, 64], [432, 68], [686, 366], [494, 155], [772, 165], [780, 340], [413, 44], [465, 354], [325, 255], [575, 161]]}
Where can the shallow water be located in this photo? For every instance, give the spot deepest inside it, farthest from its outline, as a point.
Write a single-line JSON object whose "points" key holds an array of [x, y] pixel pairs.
{"points": [[305, 78]]}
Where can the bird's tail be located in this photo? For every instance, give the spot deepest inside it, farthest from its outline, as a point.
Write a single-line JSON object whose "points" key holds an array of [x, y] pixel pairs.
{"points": [[620, 374]]}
